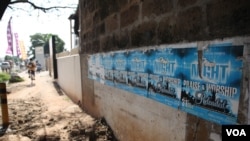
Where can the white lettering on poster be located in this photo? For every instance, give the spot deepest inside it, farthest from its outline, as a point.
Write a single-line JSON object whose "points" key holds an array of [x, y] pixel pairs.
{"points": [[224, 90]]}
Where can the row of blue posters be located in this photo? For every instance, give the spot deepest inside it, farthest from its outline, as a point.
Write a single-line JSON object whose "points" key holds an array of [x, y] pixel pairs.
{"points": [[205, 83]]}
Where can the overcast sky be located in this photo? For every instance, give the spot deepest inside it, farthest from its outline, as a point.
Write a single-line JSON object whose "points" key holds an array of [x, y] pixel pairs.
{"points": [[30, 22]]}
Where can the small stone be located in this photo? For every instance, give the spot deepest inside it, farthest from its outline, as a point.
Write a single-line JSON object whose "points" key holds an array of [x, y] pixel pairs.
{"points": [[20, 121]]}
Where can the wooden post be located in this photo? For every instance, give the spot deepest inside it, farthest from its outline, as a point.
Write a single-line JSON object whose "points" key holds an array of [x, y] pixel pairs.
{"points": [[4, 105]]}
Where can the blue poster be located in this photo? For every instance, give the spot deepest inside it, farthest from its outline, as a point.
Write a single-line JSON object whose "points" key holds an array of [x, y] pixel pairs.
{"points": [[91, 64], [164, 81], [205, 83], [120, 69], [96, 69], [108, 66], [138, 72], [99, 68], [211, 83]]}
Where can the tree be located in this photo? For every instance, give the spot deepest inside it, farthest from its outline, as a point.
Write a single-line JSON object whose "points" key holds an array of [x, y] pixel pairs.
{"points": [[7, 57], [9, 3], [3, 6], [38, 40], [47, 6], [12, 58]]}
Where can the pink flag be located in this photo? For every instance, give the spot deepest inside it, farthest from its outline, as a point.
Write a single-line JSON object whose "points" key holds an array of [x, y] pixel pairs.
{"points": [[9, 38], [18, 52]]}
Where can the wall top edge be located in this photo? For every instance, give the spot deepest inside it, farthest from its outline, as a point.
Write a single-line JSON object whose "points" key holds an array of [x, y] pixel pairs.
{"points": [[66, 56], [199, 44]]}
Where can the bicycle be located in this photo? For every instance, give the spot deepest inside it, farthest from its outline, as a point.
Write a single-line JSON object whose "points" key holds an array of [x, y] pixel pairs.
{"points": [[31, 76]]}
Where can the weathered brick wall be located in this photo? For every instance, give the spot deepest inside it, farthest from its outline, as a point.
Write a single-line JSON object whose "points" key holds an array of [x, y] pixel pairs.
{"points": [[108, 25], [116, 25]]}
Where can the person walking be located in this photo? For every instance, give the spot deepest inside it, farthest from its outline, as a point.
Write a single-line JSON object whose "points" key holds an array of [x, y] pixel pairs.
{"points": [[31, 69]]}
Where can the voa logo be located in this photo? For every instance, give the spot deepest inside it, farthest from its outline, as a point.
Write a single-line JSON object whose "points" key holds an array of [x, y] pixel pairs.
{"points": [[236, 132]]}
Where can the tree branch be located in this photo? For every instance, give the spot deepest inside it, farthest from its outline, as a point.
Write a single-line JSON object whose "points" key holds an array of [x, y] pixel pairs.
{"points": [[3, 6], [39, 7]]}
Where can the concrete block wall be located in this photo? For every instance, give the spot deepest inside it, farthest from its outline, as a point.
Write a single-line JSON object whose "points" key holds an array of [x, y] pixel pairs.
{"points": [[110, 25]]}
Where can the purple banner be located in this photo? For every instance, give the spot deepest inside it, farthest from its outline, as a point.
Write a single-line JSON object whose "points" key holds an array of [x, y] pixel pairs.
{"points": [[9, 38], [18, 52]]}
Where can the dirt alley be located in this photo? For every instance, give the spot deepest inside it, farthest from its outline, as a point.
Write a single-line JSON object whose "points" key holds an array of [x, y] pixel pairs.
{"points": [[40, 112]]}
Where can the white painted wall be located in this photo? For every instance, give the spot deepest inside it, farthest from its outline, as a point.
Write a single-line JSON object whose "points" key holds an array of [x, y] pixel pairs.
{"points": [[39, 51], [69, 76]]}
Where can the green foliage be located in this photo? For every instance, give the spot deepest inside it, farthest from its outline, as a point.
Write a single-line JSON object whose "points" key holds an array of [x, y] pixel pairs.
{"points": [[7, 57], [11, 58], [12, 79], [59, 44], [4, 77], [15, 79], [38, 40]]}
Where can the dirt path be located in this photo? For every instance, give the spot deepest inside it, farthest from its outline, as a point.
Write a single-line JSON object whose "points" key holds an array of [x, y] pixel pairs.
{"points": [[39, 113]]}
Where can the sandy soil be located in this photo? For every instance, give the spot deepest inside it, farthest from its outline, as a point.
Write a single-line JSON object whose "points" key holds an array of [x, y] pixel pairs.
{"points": [[41, 112]]}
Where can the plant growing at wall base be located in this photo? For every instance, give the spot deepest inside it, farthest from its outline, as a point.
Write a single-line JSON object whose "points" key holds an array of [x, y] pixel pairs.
{"points": [[4, 77], [15, 78]]}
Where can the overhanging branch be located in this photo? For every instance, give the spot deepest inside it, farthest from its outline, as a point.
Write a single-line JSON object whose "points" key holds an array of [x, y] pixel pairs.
{"points": [[3, 6], [44, 9]]}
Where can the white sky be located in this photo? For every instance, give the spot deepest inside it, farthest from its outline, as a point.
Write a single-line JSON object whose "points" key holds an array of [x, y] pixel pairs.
{"points": [[30, 22]]}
